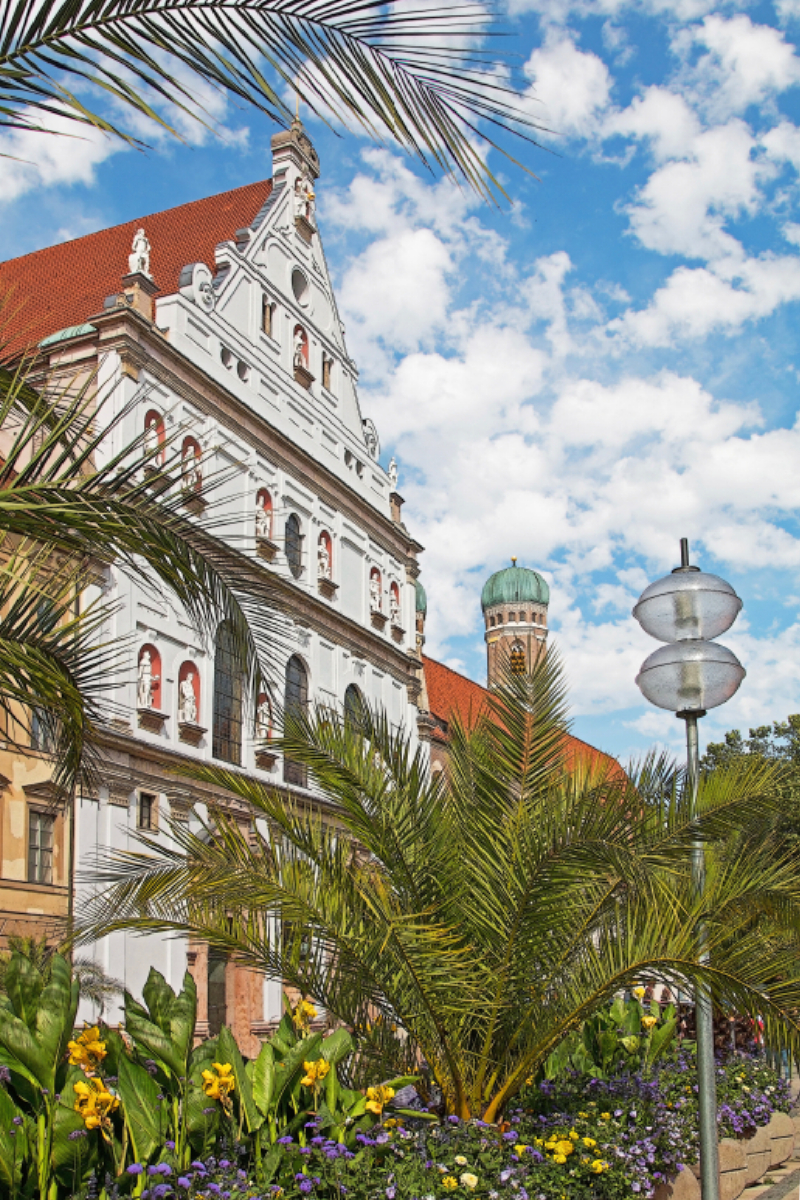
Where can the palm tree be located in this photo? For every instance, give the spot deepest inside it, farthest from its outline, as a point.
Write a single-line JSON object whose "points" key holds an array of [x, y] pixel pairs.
{"points": [[68, 509], [469, 923], [418, 74]]}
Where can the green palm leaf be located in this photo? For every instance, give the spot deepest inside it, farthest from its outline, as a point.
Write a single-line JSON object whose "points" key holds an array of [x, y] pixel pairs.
{"points": [[418, 74]]}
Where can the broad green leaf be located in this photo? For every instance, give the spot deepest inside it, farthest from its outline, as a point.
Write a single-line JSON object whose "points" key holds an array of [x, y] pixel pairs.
{"points": [[336, 1046], [15, 1152], [288, 1071], [72, 1160], [229, 1053], [55, 1016], [263, 1078], [159, 997], [23, 984], [139, 1092]]}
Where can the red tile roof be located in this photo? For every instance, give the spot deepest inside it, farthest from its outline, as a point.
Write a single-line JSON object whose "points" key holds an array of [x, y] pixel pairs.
{"points": [[453, 695], [63, 285]]}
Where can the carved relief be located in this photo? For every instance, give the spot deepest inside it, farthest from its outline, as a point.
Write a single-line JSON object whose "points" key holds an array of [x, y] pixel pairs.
{"points": [[371, 438], [196, 283]]}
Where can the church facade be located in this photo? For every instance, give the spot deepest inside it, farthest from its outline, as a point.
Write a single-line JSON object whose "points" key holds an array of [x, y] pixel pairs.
{"points": [[214, 328]]}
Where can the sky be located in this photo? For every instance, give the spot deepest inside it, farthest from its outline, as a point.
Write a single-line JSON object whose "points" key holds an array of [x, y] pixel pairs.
{"points": [[581, 376]]}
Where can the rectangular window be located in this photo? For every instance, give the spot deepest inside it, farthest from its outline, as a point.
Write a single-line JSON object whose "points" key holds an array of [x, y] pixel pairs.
{"points": [[40, 847], [148, 808]]}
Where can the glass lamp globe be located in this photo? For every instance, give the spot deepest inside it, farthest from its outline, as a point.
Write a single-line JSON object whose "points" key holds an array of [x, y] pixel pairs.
{"points": [[687, 604], [690, 676]]}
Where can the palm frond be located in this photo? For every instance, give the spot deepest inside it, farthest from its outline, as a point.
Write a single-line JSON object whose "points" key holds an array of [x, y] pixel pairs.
{"points": [[418, 74]]}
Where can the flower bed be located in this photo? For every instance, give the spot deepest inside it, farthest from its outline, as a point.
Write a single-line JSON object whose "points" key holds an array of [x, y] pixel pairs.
{"points": [[578, 1140]]}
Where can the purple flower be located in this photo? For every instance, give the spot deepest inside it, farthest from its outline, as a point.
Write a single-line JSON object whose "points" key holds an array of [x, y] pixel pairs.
{"points": [[306, 1186], [163, 1169], [135, 1169], [391, 1192], [77, 1134], [17, 1120], [170, 1145], [454, 1120], [285, 1141], [5, 1075], [184, 1181], [224, 1163]]}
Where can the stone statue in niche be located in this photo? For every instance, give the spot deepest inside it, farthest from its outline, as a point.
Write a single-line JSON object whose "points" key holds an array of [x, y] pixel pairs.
{"points": [[263, 719], [393, 474], [187, 712], [371, 438], [299, 359], [152, 441], [323, 560], [375, 602], [147, 681], [263, 523], [190, 465], [304, 199], [394, 607], [139, 258]]}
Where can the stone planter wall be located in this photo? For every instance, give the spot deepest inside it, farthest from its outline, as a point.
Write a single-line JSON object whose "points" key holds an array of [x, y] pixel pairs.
{"points": [[741, 1161]]}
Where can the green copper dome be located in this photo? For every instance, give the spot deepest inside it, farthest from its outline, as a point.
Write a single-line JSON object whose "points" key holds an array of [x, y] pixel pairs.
{"points": [[515, 585], [422, 599]]}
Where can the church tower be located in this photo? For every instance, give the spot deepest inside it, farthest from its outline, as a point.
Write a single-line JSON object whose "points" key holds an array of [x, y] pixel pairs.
{"points": [[514, 603]]}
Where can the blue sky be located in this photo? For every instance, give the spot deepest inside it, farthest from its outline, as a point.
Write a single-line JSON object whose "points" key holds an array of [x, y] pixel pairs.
{"points": [[578, 379]]}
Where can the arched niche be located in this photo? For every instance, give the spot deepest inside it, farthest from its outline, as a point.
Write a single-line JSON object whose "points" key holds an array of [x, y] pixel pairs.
{"points": [[149, 679], [155, 438], [264, 514], [325, 555], [191, 465], [189, 694], [375, 591]]}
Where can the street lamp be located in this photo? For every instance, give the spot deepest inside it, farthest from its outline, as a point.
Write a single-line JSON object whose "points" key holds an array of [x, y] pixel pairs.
{"points": [[687, 676]]}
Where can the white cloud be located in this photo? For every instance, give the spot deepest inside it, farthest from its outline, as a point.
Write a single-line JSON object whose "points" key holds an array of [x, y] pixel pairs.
{"points": [[572, 85], [68, 154], [745, 64]]}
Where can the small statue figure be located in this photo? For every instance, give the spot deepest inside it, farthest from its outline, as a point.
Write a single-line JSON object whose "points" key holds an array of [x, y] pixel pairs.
{"points": [[139, 259], [263, 719], [323, 561], [147, 680], [393, 474], [152, 441], [263, 524], [299, 359], [375, 603], [304, 199], [371, 438], [394, 607], [311, 204], [192, 474], [187, 711]]}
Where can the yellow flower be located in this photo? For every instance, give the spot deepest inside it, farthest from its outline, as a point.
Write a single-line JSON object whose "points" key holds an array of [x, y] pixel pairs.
{"points": [[449, 1182], [564, 1147], [560, 1158], [573, 1134], [87, 1051], [303, 1014], [551, 1145], [584, 1115], [378, 1098], [605, 1116], [315, 1072], [529, 1081], [589, 1142], [599, 1165], [95, 1104], [639, 992], [460, 1161], [469, 1181], [219, 1083], [519, 1149], [649, 1022]]}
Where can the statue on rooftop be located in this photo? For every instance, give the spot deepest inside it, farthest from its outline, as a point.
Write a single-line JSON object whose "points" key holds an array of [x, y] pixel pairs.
{"points": [[139, 258]]}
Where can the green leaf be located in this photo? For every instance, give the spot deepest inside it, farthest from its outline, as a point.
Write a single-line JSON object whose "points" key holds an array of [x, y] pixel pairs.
{"points": [[72, 1160], [139, 1094], [229, 1053], [289, 1072], [23, 984], [15, 1150], [264, 1078]]}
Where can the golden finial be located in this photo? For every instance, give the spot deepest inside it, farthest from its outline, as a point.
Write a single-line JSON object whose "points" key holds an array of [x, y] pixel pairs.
{"points": [[513, 560]]}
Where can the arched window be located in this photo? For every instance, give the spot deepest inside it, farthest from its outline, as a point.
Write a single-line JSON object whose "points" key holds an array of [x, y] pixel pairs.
{"points": [[353, 705], [518, 665], [227, 727], [293, 545], [295, 701]]}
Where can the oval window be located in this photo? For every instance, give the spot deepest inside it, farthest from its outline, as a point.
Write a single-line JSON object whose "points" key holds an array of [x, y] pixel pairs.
{"points": [[300, 287]]}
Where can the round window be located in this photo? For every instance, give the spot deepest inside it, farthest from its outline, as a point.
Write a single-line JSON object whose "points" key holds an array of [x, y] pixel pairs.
{"points": [[300, 287]]}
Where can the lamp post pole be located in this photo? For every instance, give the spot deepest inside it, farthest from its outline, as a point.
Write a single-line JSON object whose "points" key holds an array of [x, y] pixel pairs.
{"points": [[690, 674]]}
